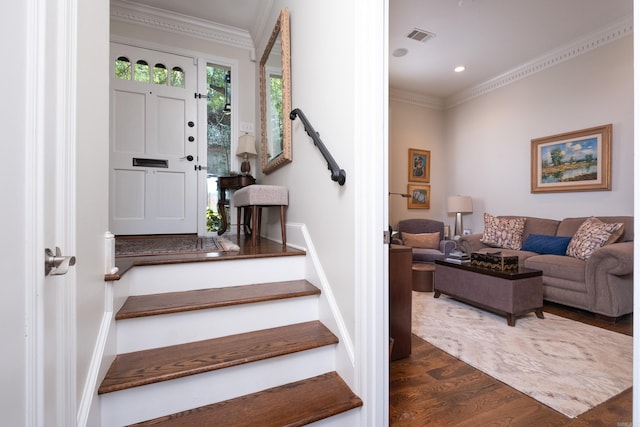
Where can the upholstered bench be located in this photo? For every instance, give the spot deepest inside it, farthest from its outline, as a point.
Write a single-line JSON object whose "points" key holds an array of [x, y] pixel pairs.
{"points": [[256, 197]]}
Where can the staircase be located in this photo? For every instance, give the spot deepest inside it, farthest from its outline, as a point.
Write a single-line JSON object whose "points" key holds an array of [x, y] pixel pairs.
{"points": [[196, 349]]}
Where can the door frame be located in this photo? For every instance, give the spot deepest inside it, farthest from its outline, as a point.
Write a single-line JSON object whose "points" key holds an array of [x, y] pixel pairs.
{"points": [[50, 182]]}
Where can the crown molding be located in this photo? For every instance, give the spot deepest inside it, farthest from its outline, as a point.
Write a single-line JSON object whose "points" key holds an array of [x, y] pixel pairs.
{"points": [[125, 11], [417, 99], [598, 39]]}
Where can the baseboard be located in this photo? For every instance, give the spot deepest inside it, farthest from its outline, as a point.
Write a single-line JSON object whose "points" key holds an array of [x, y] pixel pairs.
{"points": [[89, 411]]}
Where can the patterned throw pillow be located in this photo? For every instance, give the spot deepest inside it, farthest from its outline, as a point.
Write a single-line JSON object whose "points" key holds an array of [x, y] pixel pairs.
{"points": [[503, 232], [591, 235], [422, 240]]}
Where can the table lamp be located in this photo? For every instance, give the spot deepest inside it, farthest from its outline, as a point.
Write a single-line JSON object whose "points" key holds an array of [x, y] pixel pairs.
{"points": [[459, 205], [246, 148]]}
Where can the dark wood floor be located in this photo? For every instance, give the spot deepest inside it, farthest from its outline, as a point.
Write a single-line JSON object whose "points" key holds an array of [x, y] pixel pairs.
{"points": [[432, 388]]}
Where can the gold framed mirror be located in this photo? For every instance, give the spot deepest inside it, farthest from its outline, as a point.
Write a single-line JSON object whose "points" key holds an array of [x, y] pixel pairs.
{"points": [[275, 97]]}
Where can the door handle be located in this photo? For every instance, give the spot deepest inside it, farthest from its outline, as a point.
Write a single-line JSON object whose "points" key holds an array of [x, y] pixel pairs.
{"points": [[189, 158], [56, 264]]}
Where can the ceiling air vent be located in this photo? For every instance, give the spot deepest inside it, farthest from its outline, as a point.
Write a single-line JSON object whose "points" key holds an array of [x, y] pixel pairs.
{"points": [[420, 35]]}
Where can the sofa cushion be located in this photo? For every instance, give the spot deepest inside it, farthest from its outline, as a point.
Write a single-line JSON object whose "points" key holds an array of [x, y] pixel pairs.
{"points": [[560, 267], [591, 235], [542, 244], [503, 232], [422, 240]]}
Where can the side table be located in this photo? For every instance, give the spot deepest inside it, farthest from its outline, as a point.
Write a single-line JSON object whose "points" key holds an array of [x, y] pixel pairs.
{"points": [[400, 297], [422, 277], [229, 183]]}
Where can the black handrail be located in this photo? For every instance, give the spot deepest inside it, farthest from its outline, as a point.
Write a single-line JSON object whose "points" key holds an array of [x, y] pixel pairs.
{"points": [[337, 174]]}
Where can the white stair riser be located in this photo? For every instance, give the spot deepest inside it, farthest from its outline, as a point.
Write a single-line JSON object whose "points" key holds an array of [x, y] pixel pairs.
{"points": [[349, 418], [159, 331], [153, 279], [155, 400]]}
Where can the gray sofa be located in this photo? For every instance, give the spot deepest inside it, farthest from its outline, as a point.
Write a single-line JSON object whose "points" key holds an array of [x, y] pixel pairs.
{"points": [[602, 284]]}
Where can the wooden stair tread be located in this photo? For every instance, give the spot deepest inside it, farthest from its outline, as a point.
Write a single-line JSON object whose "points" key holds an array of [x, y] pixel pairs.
{"points": [[166, 363], [174, 302], [294, 404]]}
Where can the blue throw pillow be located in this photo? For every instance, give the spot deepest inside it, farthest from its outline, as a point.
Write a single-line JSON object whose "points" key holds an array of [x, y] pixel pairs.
{"points": [[551, 245]]}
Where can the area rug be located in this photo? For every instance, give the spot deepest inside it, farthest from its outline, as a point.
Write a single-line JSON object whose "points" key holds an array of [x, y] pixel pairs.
{"points": [[566, 365], [137, 246]]}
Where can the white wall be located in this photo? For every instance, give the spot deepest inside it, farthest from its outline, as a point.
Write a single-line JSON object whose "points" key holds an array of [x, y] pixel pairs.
{"points": [[487, 144], [323, 91], [420, 127], [14, 230]]}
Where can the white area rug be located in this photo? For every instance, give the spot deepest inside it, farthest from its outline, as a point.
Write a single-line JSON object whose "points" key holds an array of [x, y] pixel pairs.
{"points": [[566, 365]]}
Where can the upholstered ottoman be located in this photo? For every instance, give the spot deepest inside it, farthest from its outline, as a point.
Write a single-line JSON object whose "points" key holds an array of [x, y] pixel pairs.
{"points": [[256, 197]]}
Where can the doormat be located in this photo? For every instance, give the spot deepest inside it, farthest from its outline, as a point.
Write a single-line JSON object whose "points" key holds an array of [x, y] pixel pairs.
{"points": [[145, 246], [566, 365]]}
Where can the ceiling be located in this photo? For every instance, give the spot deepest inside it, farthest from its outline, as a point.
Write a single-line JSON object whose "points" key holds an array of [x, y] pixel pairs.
{"points": [[488, 37]]}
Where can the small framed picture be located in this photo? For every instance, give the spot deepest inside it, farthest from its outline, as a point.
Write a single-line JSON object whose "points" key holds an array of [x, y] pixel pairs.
{"points": [[419, 165], [420, 196]]}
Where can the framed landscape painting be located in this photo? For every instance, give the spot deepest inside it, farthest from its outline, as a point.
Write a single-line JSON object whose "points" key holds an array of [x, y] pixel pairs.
{"points": [[420, 196], [419, 165], [573, 161]]}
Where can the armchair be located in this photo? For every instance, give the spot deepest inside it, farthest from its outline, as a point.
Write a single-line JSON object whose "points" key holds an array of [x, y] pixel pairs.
{"points": [[425, 251]]}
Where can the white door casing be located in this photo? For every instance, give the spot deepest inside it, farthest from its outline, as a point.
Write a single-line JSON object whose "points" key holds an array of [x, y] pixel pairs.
{"points": [[153, 149]]}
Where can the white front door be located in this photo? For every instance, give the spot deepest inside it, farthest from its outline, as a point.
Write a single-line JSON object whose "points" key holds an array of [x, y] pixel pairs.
{"points": [[153, 143]]}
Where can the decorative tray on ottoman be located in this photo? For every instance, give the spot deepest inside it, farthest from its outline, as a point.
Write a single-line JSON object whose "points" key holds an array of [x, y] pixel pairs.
{"points": [[494, 261]]}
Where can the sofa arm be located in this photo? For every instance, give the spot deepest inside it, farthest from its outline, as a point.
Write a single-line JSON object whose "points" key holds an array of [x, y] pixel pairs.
{"points": [[609, 279], [471, 243], [616, 258]]}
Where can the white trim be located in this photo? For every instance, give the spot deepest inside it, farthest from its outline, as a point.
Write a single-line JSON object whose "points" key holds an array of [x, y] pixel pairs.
{"points": [[418, 99], [636, 220], [564, 53], [90, 389], [327, 291], [33, 175], [370, 29], [66, 51], [148, 16]]}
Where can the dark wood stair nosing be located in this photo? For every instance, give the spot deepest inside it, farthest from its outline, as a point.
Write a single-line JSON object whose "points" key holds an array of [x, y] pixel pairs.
{"points": [[295, 404], [166, 363], [183, 301]]}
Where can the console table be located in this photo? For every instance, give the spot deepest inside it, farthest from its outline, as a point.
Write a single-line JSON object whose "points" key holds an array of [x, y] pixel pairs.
{"points": [[229, 183]]}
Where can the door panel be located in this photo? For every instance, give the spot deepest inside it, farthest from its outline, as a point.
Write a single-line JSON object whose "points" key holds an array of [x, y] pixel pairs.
{"points": [[149, 124]]}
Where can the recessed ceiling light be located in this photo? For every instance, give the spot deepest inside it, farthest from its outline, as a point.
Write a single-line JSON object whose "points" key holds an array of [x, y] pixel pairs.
{"points": [[400, 52], [459, 68]]}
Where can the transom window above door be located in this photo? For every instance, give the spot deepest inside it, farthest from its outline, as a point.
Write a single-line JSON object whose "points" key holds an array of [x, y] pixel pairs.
{"points": [[141, 71]]}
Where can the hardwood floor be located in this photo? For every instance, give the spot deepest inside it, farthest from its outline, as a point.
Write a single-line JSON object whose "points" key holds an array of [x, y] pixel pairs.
{"points": [[433, 388]]}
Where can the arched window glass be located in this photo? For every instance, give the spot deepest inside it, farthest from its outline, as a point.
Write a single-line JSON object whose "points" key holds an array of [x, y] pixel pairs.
{"points": [[160, 74], [177, 77], [141, 71], [123, 68]]}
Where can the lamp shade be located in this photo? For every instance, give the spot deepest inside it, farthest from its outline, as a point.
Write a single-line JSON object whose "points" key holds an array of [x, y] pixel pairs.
{"points": [[246, 145], [462, 204]]}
